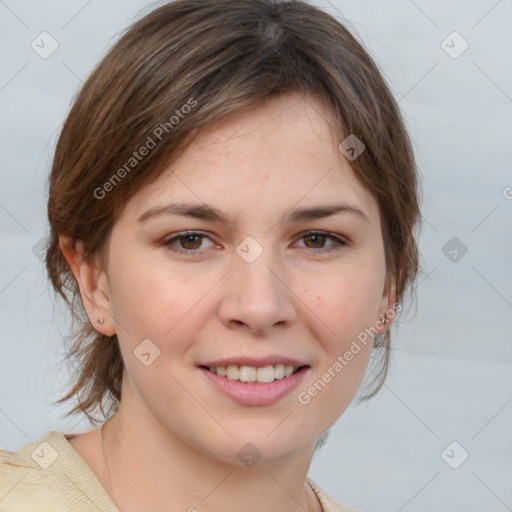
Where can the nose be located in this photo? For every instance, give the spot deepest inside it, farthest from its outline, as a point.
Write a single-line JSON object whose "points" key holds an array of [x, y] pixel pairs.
{"points": [[258, 296]]}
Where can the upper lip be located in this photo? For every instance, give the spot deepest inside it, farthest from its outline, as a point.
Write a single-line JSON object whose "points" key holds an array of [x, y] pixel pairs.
{"points": [[254, 361]]}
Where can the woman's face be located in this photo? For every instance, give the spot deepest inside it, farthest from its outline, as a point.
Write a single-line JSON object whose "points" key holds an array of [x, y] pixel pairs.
{"points": [[255, 287]]}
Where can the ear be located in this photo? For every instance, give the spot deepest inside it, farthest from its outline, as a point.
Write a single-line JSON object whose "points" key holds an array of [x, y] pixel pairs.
{"points": [[388, 307], [93, 284]]}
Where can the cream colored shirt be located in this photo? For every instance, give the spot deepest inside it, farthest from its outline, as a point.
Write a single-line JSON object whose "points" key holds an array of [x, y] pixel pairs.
{"points": [[50, 475]]}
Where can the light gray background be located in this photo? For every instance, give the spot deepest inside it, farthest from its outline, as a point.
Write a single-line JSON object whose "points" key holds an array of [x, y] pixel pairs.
{"points": [[451, 370]]}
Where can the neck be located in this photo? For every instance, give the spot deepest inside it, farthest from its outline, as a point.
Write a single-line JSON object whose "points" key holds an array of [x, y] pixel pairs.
{"points": [[150, 469]]}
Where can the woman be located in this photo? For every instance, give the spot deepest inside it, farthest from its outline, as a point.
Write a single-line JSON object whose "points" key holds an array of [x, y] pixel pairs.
{"points": [[232, 204]]}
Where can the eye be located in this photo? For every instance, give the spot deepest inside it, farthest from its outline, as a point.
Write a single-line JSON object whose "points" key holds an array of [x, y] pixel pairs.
{"points": [[318, 239], [190, 242]]}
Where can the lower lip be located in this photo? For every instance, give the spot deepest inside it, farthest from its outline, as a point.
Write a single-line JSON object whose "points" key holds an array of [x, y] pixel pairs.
{"points": [[247, 393]]}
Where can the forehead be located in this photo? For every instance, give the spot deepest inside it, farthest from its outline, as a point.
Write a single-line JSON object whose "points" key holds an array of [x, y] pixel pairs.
{"points": [[286, 126], [275, 155]]}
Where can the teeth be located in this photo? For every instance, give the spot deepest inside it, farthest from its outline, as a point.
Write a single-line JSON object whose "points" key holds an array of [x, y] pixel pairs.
{"points": [[252, 374]]}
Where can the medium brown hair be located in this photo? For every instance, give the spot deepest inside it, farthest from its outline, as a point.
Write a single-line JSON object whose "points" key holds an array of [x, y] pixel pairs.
{"points": [[219, 57]]}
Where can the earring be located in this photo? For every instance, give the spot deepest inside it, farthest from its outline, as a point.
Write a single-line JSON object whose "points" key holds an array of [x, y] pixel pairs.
{"points": [[100, 320], [384, 319]]}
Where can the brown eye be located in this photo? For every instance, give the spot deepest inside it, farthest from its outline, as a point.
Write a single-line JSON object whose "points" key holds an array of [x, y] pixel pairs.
{"points": [[317, 240], [190, 241], [187, 243]]}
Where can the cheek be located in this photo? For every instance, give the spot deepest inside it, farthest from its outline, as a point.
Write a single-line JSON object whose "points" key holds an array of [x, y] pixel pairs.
{"points": [[346, 306], [166, 305], [150, 296], [339, 381], [346, 302]]}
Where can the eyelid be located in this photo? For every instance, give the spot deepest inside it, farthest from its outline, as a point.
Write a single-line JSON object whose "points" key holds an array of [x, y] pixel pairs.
{"points": [[339, 241], [168, 241]]}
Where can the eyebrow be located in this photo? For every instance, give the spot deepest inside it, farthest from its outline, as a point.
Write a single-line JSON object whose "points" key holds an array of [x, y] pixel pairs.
{"points": [[209, 213]]}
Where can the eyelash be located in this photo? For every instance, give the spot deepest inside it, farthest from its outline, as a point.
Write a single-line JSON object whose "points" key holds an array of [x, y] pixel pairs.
{"points": [[339, 242]]}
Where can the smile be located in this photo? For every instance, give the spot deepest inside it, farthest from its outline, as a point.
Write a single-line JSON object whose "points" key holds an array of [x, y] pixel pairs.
{"points": [[246, 385], [263, 374]]}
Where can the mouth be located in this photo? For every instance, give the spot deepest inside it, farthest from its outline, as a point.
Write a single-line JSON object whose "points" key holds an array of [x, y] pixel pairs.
{"points": [[253, 374], [255, 385]]}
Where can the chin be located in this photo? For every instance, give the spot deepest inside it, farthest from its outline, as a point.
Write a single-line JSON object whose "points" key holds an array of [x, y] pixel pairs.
{"points": [[261, 447]]}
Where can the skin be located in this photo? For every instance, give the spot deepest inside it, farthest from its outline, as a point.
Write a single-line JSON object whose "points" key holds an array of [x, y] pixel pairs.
{"points": [[174, 437]]}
